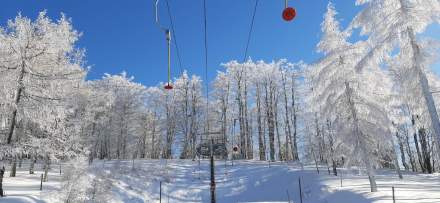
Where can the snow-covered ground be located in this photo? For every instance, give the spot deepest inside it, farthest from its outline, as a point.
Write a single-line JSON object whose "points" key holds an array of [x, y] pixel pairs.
{"points": [[25, 187], [246, 181]]}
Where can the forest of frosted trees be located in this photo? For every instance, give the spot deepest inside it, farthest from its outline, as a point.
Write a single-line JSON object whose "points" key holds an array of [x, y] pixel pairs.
{"points": [[368, 103]]}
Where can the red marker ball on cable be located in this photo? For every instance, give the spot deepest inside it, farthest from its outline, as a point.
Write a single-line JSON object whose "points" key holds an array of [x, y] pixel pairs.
{"points": [[289, 14], [168, 87]]}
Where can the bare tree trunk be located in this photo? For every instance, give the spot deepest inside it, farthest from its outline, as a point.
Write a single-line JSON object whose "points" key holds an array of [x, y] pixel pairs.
{"points": [[287, 126], [280, 156], [2, 172], [225, 109], [17, 98], [32, 166], [193, 129], [249, 153], [185, 149], [361, 142], [425, 89], [396, 162], [294, 121], [270, 122], [241, 121], [425, 151], [416, 143], [402, 151], [332, 150], [119, 141], [319, 139], [14, 167], [153, 154], [46, 168], [408, 150], [261, 149]]}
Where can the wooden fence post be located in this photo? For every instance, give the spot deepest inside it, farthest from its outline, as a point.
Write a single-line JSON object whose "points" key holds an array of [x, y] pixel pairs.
{"points": [[41, 183], [394, 197], [300, 190]]}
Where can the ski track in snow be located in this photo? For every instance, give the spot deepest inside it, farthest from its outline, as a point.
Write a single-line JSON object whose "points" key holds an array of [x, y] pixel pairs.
{"points": [[246, 181]]}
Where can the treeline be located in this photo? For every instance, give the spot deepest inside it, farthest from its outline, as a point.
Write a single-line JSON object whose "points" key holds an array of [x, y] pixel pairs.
{"points": [[363, 103]]}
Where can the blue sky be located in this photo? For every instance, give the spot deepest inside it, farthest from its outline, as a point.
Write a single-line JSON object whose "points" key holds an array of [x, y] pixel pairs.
{"points": [[121, 35]]}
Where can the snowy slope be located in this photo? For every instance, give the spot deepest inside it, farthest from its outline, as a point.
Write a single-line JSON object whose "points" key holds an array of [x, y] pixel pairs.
{"points": [[246, 181]]}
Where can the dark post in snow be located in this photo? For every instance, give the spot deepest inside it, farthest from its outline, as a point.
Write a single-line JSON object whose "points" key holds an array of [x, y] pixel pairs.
{"points": [[394, 197], [212, 174], [160, 191], [300, 190], [41, 183], [2, 172]]}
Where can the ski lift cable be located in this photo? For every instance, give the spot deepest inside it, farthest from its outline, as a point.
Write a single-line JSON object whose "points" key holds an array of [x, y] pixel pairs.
{"points": [[251, 30], [206, 64], [173, 32]]}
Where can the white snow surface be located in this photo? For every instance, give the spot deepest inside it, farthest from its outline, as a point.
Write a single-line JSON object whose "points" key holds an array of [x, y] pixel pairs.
{"points": [[25, 188], [246, 181]]}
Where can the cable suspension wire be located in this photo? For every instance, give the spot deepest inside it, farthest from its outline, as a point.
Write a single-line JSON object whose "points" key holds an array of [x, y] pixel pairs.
{"points": [[173, 32], [250, 31], [206, 65]]}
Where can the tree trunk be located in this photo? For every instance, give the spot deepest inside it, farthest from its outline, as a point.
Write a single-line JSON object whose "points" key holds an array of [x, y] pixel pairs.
{"points": [[270, 123], [17, 98], [46, 169], [2, 172], [277, 129], [417, 57], [294, 144], [14, 167], [402, 151], [425, 151], [409, 151], [193, 129], [261, 149], [419, 155], [332, 151], [335, 171], [360, 139], [287, 126], [153, 154], [249, 153], [396, 162], [32, 166]]}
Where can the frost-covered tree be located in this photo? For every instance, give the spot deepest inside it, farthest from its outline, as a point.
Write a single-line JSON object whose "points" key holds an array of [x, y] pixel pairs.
{"points": [[239, 80], [349, 102], [272, 105], [414, 116], [125, 124], [189, 103], [391, 26], [40, 68]]}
